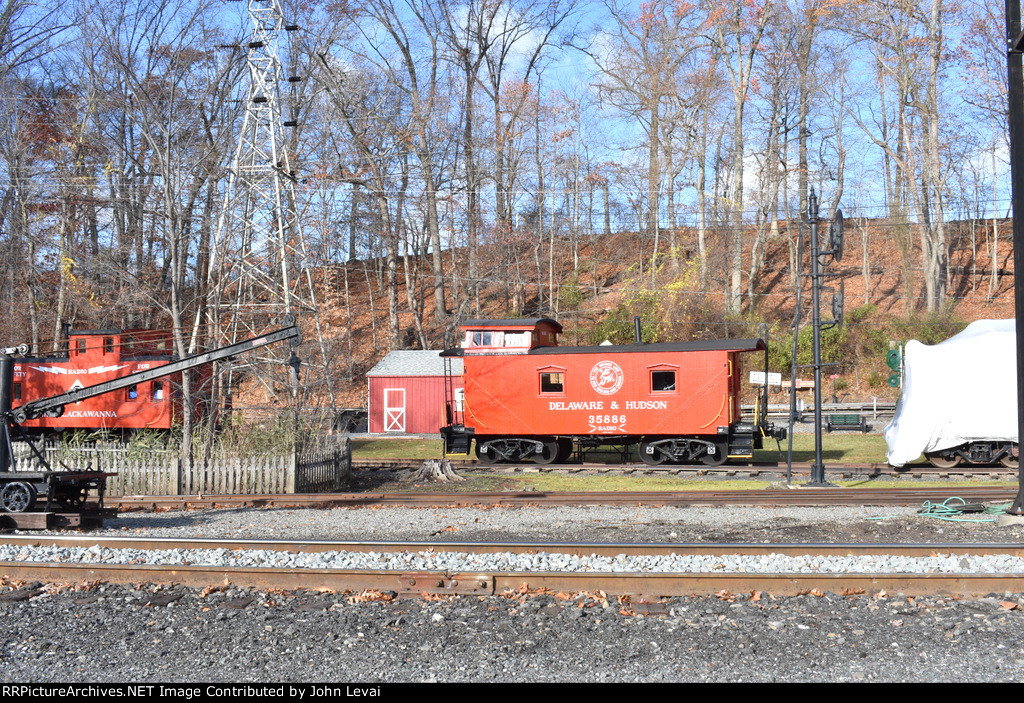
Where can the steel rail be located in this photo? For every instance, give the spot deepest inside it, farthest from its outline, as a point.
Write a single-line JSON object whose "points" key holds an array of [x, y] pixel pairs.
{"points": [[574, 548], [493, 582], [768, 498], [752, 469]]}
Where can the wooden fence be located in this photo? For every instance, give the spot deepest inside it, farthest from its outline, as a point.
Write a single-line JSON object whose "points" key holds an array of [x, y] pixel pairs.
{"points": [[323, 466]]}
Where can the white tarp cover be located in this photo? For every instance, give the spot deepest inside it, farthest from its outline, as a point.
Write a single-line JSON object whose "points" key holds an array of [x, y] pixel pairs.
{"points": [[961, 390]]}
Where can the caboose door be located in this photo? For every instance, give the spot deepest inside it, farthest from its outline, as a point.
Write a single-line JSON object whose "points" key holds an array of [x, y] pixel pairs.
{"points": [[394, 410]]}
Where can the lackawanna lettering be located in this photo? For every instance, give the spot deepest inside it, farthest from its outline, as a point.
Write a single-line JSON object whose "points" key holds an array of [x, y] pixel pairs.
{"points": [[646, 405], [576, 405], [90, 413]]}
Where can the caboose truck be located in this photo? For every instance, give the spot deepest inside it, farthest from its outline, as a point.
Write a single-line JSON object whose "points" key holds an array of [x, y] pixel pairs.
{"points": [[526, 398], [69, 489]]}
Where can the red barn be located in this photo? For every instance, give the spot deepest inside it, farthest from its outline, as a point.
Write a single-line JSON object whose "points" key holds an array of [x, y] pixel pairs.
{"points": [[94, 357], [406, 392]]}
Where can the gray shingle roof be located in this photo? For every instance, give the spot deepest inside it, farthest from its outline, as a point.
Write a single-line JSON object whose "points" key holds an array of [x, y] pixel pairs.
{"points": [[413, 362]]}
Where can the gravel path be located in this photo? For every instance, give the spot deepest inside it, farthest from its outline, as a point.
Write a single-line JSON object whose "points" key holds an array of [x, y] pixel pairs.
{"points": [[107, 633]]}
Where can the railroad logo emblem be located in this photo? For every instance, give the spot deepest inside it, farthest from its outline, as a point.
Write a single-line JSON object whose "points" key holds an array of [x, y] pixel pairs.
{"points": [[606, 377]]}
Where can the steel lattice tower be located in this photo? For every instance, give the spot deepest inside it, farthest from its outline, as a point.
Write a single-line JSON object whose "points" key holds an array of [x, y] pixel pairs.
{"points": [[259, 264]]}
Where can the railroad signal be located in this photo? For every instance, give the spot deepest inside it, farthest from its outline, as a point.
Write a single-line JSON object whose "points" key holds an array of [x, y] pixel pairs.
{"points": [[894, 360], [835, 235]]}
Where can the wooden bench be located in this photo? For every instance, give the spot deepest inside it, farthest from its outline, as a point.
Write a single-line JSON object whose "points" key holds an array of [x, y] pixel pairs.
{"points": [[846, 421]]}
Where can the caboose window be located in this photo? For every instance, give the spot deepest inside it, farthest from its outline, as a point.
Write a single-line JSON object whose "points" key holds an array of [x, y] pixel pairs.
{"points": [[17, 391], [158, 390], [663, 381], [81, 346], [552, 382], [108, 345], [482, 339], [132, 392]]}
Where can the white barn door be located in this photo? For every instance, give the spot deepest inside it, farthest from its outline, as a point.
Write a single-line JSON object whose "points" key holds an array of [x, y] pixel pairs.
{"points": [[394, 410]]}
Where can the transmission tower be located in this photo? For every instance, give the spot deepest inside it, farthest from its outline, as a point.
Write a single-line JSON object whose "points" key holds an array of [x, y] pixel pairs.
{"points": [[259, 264]]}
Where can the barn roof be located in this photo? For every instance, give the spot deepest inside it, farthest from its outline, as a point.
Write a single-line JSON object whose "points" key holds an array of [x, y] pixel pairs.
{"points": [[413, 362]]}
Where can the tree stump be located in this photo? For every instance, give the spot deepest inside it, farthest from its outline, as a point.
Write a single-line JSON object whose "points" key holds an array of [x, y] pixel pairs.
{"points": [[436, 470]]}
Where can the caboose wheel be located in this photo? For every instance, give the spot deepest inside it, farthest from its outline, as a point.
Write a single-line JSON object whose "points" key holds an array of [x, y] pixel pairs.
{"points": [[942, 460], [17, 497], [651, 455], [486, 455], [548, 454], [718, 458], [564, 449]]}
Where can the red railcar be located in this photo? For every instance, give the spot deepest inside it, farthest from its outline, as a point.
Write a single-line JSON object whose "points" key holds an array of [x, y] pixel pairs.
{"points": [[94, 357], [527, 398]]}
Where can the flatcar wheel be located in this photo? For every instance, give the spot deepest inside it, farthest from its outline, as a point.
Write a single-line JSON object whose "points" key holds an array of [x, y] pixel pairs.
{"points": [[17, 497], [548, 454], [1011, 459], [654, 457], [73, 498], [718, 458], [941, 461]]}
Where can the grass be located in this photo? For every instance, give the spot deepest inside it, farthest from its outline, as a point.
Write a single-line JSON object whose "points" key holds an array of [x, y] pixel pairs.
{"points": [[393, 448], [553, 482], [836, 448]]}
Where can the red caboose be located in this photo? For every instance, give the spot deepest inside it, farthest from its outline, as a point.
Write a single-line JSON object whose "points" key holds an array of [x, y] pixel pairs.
{"points": [[94, 357], [527, 398]]}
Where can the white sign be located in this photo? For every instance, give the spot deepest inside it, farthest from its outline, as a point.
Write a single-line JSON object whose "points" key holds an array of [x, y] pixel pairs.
{"points": [[757, 378]]}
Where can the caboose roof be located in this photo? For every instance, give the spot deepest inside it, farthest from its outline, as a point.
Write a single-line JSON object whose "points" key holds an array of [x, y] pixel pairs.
{"points": [[76, 333], [525, 323], [740, 345], [129, 331]]}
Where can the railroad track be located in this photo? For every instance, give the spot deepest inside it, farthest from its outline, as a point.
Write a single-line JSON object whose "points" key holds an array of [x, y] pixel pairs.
{"points": [[768, 498], [490, 581], [759, 470]]}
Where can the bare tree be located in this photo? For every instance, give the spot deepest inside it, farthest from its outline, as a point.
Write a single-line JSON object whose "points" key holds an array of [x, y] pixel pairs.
{"points": [[736, 29]]}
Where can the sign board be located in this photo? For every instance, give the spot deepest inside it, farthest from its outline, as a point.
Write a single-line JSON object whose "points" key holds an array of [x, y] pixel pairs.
{"points": [[757, 378]]}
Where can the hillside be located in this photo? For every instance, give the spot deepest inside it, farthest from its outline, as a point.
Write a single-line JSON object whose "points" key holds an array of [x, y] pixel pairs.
{"points": [[598, 284]]}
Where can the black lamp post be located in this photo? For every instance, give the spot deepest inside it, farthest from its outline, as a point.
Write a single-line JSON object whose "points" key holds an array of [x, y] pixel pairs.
{"points": [[1015, 119]]}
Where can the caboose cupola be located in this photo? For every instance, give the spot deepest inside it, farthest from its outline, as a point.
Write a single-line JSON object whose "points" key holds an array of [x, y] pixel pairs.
{"points": [[509, 336]]}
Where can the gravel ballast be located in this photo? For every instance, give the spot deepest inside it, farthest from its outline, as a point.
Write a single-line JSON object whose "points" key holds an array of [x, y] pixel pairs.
{"points": [[97, 632], [540, 561]]}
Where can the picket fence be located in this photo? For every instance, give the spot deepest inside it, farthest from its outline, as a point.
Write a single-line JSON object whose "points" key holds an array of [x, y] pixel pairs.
{"points": [[323, 466]]}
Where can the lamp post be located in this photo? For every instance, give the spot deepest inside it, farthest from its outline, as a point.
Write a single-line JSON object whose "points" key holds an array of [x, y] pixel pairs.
{"points": [[818, 468], [1015, 119]]}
